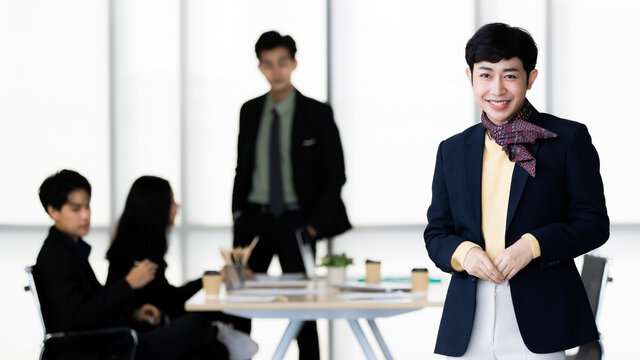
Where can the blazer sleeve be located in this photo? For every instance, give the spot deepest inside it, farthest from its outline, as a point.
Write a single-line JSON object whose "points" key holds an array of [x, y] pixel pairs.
{"points": [[237, 200], [159, 291], [333, 173], [587, 224], [169, 298], [79, 307], [440, 236], [118, 270]]}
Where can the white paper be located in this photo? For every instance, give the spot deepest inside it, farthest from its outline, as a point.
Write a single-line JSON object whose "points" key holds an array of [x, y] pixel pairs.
{"points": [[285, 276], [275, 283], [255, 291], [373, 296], [244, 298]]}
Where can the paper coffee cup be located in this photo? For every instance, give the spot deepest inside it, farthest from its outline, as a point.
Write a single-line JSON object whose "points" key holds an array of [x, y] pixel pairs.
{"points": [[372, 271], [211, 281], [419, 279]]}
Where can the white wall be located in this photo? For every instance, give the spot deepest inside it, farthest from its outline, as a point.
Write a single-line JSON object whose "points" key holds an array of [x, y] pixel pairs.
{"points": [[53, 102], [116, 89]]}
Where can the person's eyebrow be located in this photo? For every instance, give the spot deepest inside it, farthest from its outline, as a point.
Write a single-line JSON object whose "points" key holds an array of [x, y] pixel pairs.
{"points": [[511, 69], [74, 204]]}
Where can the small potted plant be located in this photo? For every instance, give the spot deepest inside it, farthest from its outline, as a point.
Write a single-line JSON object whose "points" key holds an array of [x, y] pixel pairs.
{"points": [[336, 267]]}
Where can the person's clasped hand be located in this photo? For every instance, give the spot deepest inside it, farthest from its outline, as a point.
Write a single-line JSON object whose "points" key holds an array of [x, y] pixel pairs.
{"points": [[507, 264], [514, 258], [478, 264]]}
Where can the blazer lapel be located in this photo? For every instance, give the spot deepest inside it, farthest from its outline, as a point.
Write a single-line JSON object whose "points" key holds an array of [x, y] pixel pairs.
{"points": [[474, 148], [520, 177], [296, 127], [518, 182], [255, 116]]}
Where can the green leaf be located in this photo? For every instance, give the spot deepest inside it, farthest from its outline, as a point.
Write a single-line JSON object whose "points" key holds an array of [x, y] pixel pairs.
{"points": [[336, 260]]}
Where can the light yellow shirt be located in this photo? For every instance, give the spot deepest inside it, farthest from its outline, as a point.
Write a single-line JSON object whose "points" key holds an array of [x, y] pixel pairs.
{"points": [[496, 185]]}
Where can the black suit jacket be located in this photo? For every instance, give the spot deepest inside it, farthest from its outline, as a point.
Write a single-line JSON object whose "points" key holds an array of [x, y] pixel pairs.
{"points": [[563, 207], [316, 158], [72, 298], [159, 291]]}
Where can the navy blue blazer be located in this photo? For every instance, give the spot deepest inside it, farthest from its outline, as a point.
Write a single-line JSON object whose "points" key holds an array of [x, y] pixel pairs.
{"points": [[563, 207]]}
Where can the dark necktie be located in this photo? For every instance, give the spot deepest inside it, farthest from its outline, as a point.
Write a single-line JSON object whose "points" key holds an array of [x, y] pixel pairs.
{"points": [[276, 198]]}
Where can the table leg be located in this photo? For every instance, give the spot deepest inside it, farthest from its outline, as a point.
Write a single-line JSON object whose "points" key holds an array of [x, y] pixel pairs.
{"points": [[364, 344], [378, 335], [290, 332]]}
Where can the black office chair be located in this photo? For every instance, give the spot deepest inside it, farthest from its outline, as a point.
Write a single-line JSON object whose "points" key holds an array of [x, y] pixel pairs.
{"points": [[595, 275], [71, 336]]}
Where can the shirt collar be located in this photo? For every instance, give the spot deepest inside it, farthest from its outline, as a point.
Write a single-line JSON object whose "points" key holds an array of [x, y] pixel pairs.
{"points": [[284, 106], [82, 248]]}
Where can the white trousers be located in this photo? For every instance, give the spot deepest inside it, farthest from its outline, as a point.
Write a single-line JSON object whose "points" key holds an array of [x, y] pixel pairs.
{"points": [[495, 334]]}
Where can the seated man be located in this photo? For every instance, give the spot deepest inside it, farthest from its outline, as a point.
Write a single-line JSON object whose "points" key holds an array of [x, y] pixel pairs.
{"points": [[73, 299]]}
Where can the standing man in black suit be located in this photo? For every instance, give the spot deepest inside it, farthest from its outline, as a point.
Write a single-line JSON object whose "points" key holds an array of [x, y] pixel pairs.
{"points": [[290, 171]]}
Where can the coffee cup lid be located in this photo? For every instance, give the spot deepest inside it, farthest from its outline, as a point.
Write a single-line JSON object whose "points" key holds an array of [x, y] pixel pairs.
{"points": [[420, 270], [369, 261], [212, 272]]}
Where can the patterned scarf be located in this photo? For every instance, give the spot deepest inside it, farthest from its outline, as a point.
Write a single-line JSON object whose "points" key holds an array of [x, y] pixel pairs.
{"points": [[515, 132]]}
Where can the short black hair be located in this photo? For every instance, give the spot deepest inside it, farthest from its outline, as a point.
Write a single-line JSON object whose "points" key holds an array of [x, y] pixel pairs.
{"points": [[497, 41], [272, 39], [56, 188]]}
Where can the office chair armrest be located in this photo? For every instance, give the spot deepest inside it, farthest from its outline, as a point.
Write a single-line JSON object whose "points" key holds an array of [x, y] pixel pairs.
{"points": [[71, 335], [96, 332]]}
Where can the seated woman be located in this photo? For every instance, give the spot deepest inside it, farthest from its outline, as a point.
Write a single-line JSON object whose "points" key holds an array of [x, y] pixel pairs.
{"points": [[149, 212], [72, 298]]}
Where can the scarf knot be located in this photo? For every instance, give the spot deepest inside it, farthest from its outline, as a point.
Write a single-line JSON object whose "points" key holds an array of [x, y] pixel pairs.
{"points": [[516, 132]]}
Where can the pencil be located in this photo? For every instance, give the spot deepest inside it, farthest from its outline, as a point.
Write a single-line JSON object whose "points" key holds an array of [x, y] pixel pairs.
{"points": [[225, 256], [250, 248]]}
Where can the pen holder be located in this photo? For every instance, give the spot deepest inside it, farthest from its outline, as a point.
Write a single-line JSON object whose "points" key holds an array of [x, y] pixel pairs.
{"points": [[234, 276]]}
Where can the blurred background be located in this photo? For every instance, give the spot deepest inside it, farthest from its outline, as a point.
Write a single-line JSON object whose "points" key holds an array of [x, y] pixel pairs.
{"points": [[116, 89]]}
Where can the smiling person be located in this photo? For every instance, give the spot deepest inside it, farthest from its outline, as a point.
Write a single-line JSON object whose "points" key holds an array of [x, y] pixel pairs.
{"points": [[515, 199], [290, 171]]}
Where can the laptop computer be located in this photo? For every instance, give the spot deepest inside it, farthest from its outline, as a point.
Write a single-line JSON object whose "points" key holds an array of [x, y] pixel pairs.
{"points": [[306, 252]]}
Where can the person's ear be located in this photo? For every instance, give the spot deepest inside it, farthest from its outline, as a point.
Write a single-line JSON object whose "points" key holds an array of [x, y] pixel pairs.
{"points": [[470, 76], [295, 64], [532, 77], [53, 213]]}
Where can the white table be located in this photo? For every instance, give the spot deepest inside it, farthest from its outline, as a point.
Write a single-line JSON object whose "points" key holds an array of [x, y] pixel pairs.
{"points": [[318, 300]]}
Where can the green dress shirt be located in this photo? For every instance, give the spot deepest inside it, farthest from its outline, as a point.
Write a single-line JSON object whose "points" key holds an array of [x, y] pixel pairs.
{"points": [[260, 187]]}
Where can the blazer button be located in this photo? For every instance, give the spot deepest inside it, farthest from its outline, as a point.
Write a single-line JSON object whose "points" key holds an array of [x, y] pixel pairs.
{"points": [[473, 278]]}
